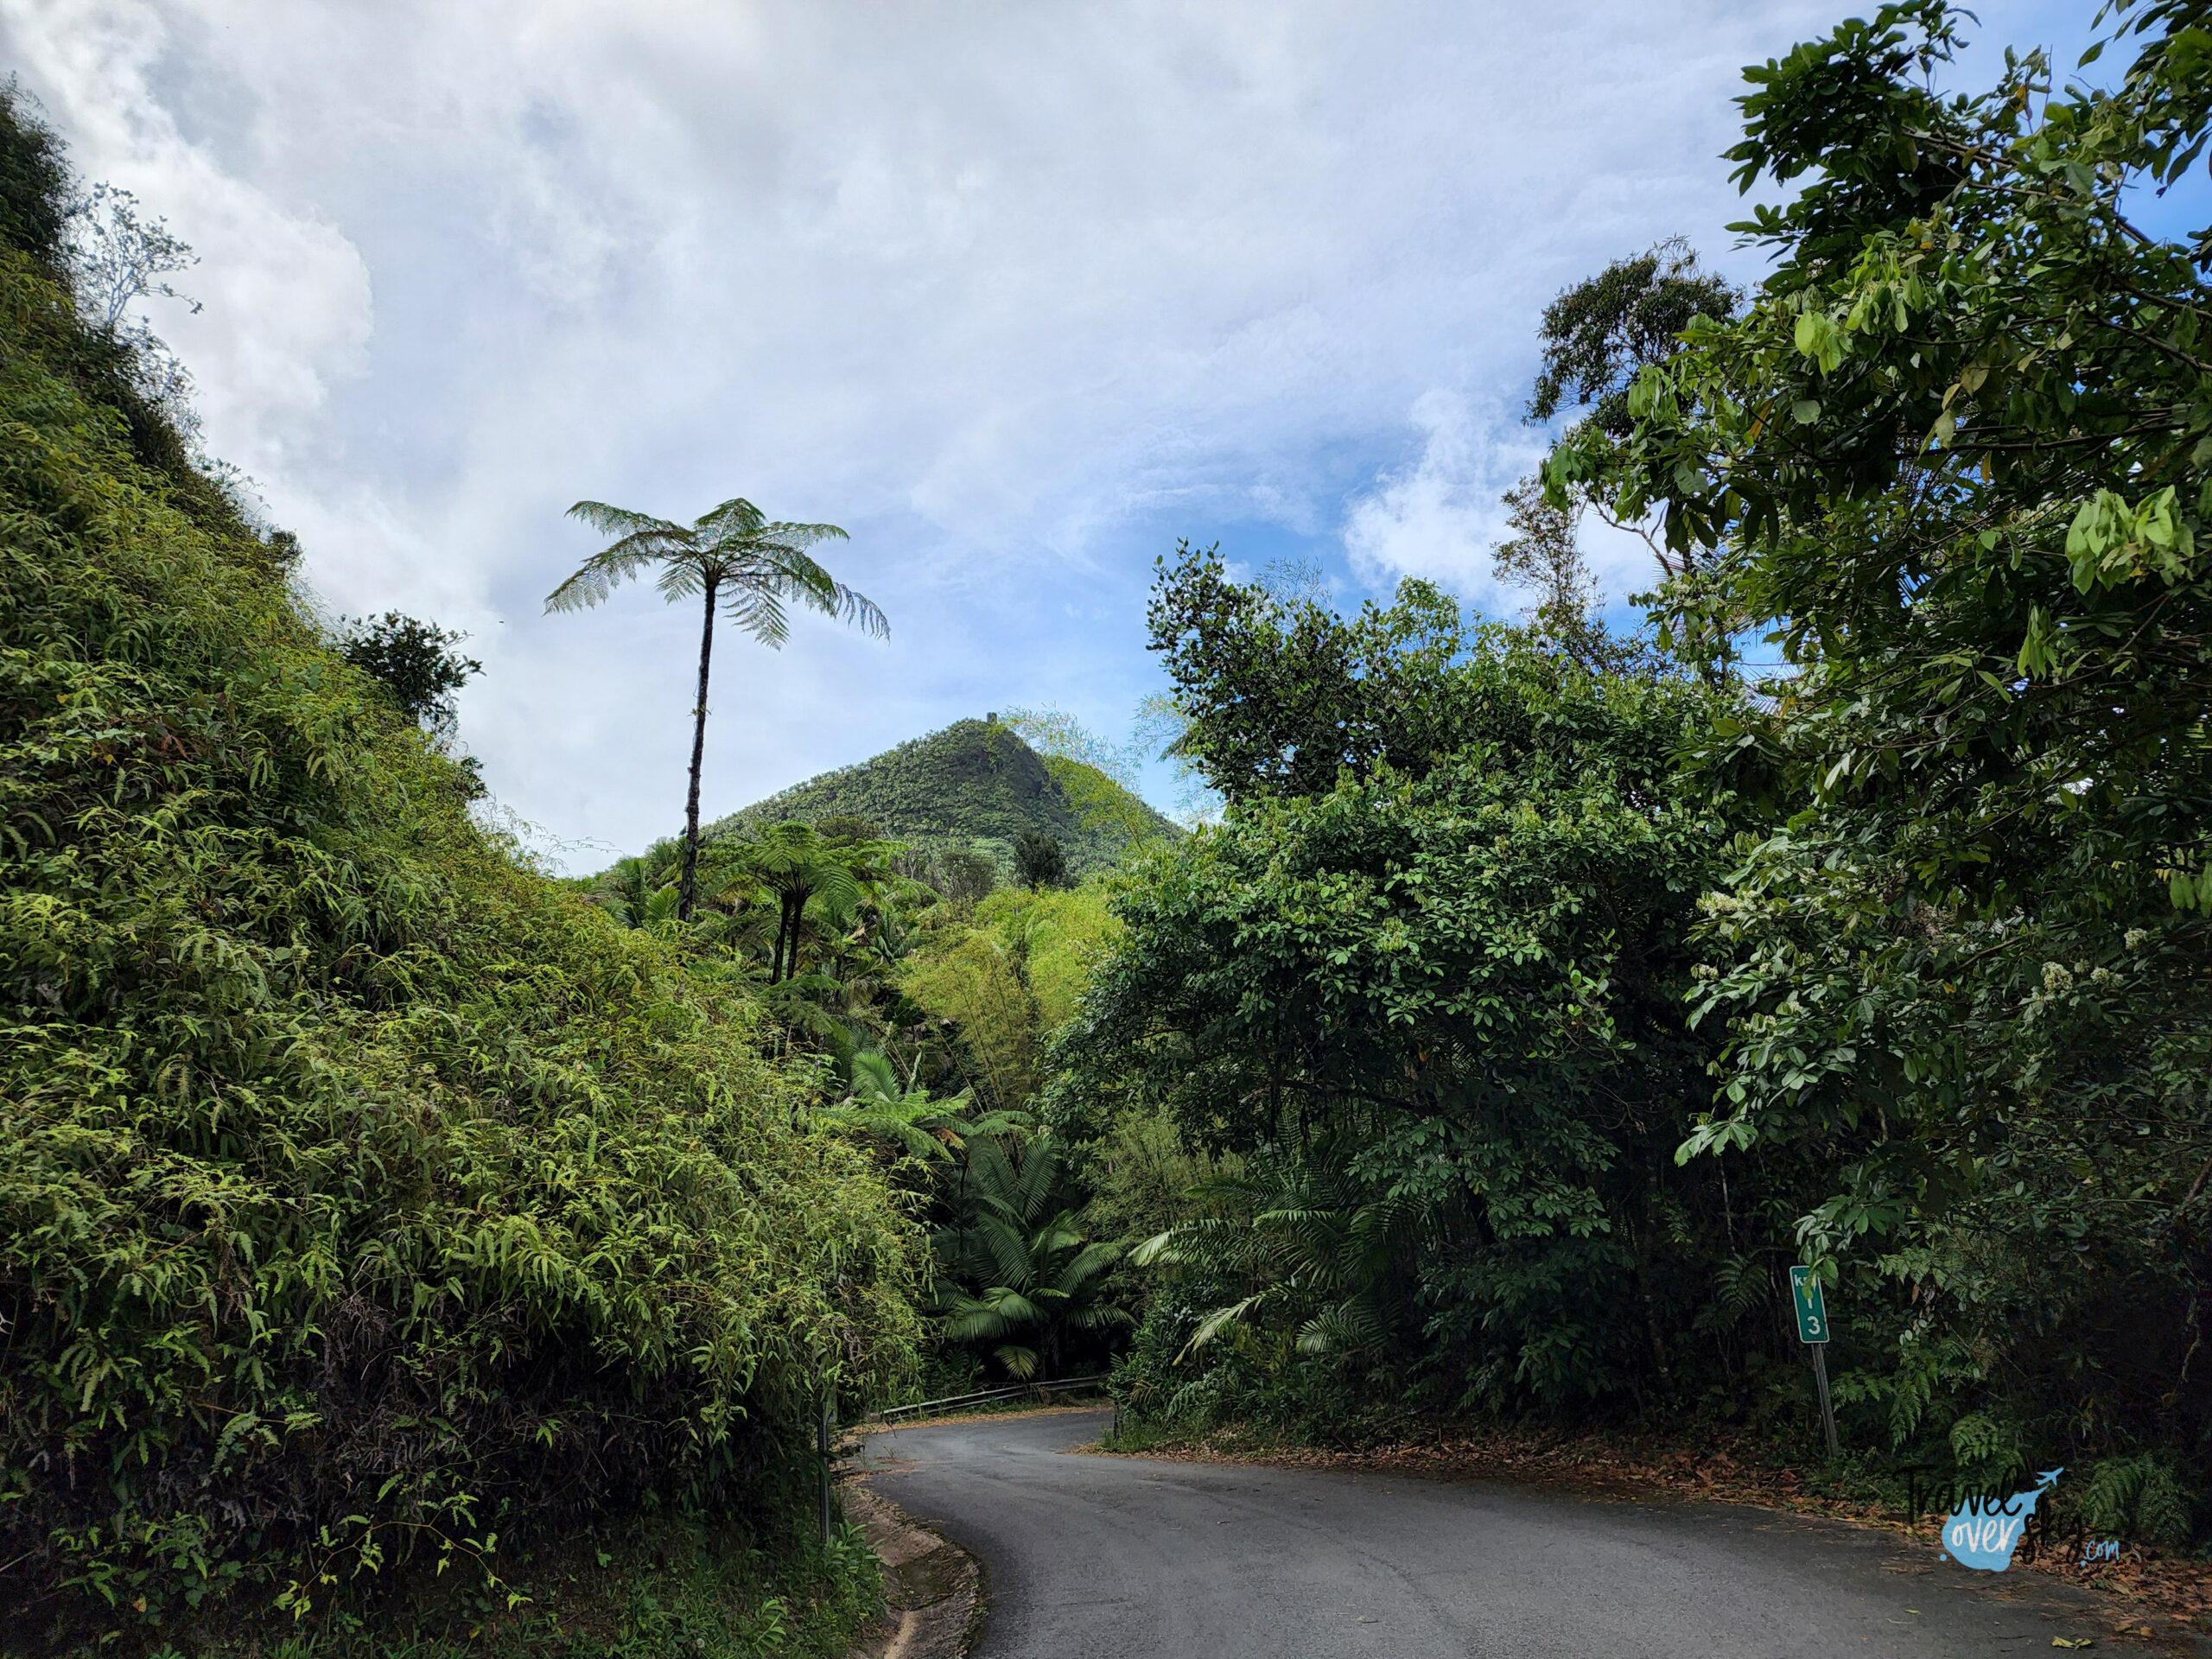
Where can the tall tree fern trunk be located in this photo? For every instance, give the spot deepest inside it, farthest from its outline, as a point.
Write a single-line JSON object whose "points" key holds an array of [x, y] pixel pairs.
{"points": [[687, 892]]}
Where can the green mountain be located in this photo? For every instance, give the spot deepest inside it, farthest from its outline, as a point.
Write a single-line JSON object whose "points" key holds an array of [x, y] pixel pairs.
{"points": [[975, 782]]}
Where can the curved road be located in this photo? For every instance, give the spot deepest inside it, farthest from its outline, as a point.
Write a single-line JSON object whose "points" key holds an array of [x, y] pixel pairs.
{"points": [[1100, 1557]]}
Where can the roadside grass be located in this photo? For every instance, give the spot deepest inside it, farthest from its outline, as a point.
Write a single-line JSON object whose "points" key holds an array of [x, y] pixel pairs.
{"points": [[653, 1588]]}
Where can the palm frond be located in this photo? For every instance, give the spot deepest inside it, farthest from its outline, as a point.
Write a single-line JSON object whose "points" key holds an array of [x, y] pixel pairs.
{"points": [[680, 577], [765, 573], [997, 1311], [1009, 1247], [799, 537], [893, 1122], [1107, 1318], [875, 1077], [836, 886], [1349, 1326], [737, 514], [599, 576], [621, 521], [859, 608], [1087, 1263], [991, 1170], [1034, 1184], [1219, 1320], [760, 615], [1160, 1248], [1062, 1232]]}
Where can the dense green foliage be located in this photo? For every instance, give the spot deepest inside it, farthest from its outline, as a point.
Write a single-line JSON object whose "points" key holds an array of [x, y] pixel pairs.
{"points": [[1958, 454], [976, 781], [1019, 1274], [419, 664], [927, 994], [1277, 696], [1005, 978], [364, 1197], [1931, 911], [1460, 989], [1039, 861], [642, 1587]]}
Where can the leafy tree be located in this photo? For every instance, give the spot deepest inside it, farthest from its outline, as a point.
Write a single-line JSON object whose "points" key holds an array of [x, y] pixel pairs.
{"points": [[1474, 972], [1039, 860], [960, 874], [978, 984], [1000, 980], [1953, 455], [118, 258], [1310, 1239], [1278, 696], [1544, 554], [418, 662], [845, 829], [115, 259], [732, 556], [1598, 335], [798, 864]]}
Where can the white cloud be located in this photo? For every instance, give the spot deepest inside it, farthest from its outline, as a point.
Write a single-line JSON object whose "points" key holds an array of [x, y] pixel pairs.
{"points": [[1016, 293], [1440, 515], [285, 298]]}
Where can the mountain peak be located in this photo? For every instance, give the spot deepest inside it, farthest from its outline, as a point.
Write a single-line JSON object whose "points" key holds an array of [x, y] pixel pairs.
{"points": [[976, 781]]}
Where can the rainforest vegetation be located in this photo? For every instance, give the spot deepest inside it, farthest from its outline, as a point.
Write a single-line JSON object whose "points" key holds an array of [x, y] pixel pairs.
{"points": [[373, 1204], [1544, 994]]}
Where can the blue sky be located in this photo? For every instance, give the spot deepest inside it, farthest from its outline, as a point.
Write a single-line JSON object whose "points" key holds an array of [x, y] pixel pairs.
{"points": [[1018, 293]]}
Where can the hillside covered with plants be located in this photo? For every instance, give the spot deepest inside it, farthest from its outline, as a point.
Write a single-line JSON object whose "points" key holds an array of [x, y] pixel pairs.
{"points": [[370, 1206], [975, 781]]}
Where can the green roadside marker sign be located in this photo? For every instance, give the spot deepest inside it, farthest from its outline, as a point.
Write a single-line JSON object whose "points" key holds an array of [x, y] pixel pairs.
{"points": [[1813, 1330], [1812, 1309]]}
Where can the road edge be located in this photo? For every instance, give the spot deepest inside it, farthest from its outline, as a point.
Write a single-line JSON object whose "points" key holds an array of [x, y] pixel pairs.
{"points": [[933, 1589], [2133, 1606]]}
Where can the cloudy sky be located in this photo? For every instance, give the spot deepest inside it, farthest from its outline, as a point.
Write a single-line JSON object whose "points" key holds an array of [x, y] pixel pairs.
{"points": [[1017, 293]]}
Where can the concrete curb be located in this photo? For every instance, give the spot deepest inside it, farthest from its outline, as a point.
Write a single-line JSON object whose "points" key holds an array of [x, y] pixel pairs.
{"points": [[934, 1588]]}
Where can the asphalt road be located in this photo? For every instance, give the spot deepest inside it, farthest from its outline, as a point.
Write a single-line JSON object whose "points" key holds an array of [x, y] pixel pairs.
{"points": [[1102, 1557]]}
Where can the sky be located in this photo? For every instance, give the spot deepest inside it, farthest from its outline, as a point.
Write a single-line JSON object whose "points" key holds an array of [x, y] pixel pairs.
{"points": [[1018, 293]]}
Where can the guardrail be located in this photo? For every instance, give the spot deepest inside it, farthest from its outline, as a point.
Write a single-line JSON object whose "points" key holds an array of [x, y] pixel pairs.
{"points": [[1044, 1390]]}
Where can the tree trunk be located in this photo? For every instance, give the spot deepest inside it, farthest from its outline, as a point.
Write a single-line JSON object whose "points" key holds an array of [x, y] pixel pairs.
{"points": [[1645, 1236], [783, 962], [687, 892]]}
